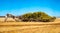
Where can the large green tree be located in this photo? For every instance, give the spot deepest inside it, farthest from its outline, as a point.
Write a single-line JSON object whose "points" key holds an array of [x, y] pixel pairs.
{"points": [[38, 16]]}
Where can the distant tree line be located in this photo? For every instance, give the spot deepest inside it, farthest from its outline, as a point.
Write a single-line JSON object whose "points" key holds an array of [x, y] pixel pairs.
{"points": [[37, 17]]}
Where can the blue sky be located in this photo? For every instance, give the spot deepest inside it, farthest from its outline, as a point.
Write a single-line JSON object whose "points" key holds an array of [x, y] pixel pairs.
{"points": [[19, 7]]}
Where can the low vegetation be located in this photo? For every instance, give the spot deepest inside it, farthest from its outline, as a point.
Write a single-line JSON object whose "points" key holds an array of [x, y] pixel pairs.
{"points": [[37, 17]]}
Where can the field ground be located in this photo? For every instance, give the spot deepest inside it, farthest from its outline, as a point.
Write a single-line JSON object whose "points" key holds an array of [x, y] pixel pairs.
{"points": [[29, 27]]}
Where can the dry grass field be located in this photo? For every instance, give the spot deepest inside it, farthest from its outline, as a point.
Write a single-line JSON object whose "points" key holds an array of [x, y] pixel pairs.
{"points": [[29, 27]]}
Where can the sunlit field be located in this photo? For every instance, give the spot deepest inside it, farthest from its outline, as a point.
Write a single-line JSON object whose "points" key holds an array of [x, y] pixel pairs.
{"points": [[11, 26]]}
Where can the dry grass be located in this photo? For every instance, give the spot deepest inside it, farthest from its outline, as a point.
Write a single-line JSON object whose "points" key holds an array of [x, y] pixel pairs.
{"points": [[29, 27]]}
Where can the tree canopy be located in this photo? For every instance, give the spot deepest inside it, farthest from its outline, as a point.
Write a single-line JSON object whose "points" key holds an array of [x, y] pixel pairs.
{"points": [[38, 16]]}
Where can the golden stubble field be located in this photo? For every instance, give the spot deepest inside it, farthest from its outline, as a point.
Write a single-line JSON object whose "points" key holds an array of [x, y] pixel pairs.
{"points": [[29, 27]]}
